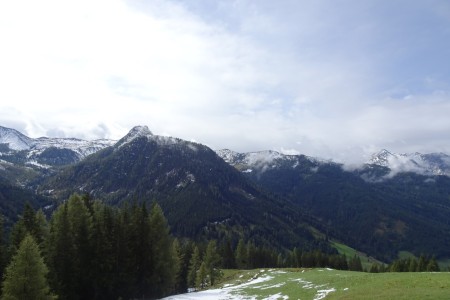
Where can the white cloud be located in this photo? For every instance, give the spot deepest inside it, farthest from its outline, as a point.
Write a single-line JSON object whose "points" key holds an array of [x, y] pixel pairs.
{"points": [[309, 76]]}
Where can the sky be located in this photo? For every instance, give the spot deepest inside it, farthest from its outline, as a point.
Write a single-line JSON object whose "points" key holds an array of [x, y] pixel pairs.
{"points": [[335, 79]]}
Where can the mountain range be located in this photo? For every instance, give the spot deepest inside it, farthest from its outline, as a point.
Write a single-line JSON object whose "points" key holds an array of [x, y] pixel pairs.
{"points": [[394, 202]]}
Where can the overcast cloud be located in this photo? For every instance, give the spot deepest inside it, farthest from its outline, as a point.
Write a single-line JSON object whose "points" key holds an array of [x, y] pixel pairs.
{"points": [[334, 79]]}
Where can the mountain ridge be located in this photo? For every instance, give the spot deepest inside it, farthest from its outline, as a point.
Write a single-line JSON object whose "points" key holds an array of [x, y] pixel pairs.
{"points": [[281, 199]]}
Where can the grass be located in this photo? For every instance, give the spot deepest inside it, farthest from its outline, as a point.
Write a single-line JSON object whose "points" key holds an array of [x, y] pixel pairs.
{"points": [[366, 261], [333, 284]]}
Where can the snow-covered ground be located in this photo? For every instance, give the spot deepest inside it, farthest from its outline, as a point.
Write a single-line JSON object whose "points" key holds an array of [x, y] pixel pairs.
{"points": [[263, 281], [225, 293]]}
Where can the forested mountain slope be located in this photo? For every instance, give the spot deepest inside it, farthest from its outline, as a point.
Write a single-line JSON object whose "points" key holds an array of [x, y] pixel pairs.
{"points": [[365, 208], [200, 194]]}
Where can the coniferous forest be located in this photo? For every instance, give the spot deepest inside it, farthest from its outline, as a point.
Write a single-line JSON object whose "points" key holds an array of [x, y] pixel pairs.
{"points": [[89, 250]]}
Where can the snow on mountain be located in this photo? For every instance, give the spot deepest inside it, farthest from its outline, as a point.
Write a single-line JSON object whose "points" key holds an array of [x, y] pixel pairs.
{"points": [[81, 147], [34, 148], [262, 160], [425, 164], [143, 131], [14, 139]]}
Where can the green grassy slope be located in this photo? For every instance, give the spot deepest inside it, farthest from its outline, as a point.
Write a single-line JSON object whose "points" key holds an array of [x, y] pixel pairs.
{"points": [[333, 284], [366, 261]]}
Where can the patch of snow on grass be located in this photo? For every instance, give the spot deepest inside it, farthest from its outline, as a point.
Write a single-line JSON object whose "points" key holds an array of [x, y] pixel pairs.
{"points": [[265, 287], [278, 272], [276, 297], [321, 294], [306, 284]]}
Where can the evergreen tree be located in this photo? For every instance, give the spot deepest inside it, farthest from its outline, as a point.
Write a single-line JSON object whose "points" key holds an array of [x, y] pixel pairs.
{"points": [[228, 259], [61, 254], [374, 268], [80, 220], [355, 264], [280, 261], [29, 220], [194, 266], [422, 264], [201, 280], [241, 255], [251, 256], [42, 230], [212, 261], [165, 264], [179, 261], [296, 258], [432, 265], [102, 272], [187, 250], [307, 260], [25, 277], [140, 251], [25, 224], [412, 265]]}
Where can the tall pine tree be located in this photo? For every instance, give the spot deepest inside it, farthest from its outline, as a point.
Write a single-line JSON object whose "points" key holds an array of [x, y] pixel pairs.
{"points": [[26, 275], [212, 262]]}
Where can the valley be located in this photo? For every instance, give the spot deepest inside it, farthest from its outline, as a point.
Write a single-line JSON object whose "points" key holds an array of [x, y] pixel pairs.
{"points": [[272, 199]]}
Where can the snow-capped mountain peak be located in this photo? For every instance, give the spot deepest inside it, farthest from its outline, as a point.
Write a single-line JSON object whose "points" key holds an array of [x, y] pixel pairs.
{"points": [[143, 131], [45, 151], [262, 161], [139, 131], [14, 139], [425, 164]]}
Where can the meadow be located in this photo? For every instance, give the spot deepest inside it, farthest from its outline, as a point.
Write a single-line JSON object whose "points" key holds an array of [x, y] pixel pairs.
{"points": [[317, 284]]}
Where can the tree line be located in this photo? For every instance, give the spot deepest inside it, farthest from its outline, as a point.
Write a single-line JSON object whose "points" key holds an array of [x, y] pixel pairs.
{"points": [[90, 250]]}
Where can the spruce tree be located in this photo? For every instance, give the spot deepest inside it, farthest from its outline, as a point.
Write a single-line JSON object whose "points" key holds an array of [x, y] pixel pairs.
{"points": [[25, 277], [25, 224], [61, 254], [212, 261], [355, 264], [432, 265], [201, 280], [241, 255], [42, 230], [228, 259], [194, 266], [374, 268], [179, 259], [80, 220], [165, 264], [187, 250], [412, 265], [422, 264]]}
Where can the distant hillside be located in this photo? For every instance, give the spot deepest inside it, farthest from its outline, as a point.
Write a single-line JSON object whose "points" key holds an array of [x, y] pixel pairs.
{"points": [[365, 209], [13, 199]]}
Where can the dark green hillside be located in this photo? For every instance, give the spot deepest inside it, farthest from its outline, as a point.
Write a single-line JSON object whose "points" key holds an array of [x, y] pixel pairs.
{"points": [[57, 157], [379, 216], [199, 193], [13, 199]]}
